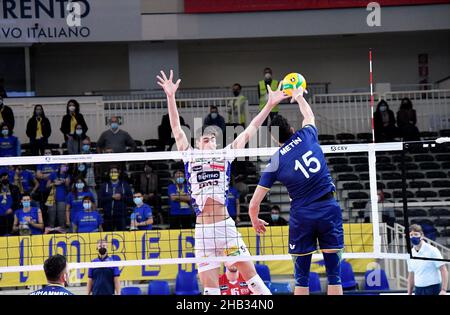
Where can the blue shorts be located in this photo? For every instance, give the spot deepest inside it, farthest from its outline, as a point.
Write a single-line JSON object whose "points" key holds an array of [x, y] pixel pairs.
{"points": [[319, 221]]}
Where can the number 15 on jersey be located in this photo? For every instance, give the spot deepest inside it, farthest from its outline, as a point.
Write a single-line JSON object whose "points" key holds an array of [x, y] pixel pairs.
{"points": [[307, 166]]}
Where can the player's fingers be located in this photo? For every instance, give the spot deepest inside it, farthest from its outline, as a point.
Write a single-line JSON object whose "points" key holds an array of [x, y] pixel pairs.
{"points": [[163, 75], [264, 222], [159, 78], [178, 82], [306, 91], [280, 86], [160, 84], [269, 89], [171, 75]]}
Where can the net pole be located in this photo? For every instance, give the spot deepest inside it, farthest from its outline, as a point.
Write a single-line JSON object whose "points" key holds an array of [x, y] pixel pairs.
{"points": [[371, 94], [374, 199]]}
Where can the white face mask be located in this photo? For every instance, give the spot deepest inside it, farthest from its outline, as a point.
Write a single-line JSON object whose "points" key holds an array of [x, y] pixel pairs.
{"points": [[71, 108], [267, 76], [213, 115]]}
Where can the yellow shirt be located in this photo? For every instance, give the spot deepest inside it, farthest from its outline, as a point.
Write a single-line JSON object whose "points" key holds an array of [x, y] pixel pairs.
{"points": [[73, 124], [39, 128]]}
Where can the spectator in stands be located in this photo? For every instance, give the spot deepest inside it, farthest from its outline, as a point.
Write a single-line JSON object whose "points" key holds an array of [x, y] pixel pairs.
{"points": [[43, 172], [237, 109], [165, 131], [180, 214], [88, 220], [406, 121], [275, 218], [234, 206], [24, 180], [6, 115], [214, 119], [74, 201], [384, 122], [426, 277], [115, 138], [75, 142], [103, 281], [232, 283], [102, 169], [3, 93], [147, 183], [114, 197], [59, 185], [262, 92], [71, 119], [87, 170], [9, 144], [28, 220], [55, 269], [38, 131], [9, 202], [141, 218]]}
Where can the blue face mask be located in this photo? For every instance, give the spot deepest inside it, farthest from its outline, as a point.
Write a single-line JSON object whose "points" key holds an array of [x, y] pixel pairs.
{"points": [[81, 167], [26, 204], [137, 201], [79, 132], [114, 126], [415, 240], [275, 217], [180, 180], [86, 147], [87, 205], [213, 115], [5, 132], [79, 186]]}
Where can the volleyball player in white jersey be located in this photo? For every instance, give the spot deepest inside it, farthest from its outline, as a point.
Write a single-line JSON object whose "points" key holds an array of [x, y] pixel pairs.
{"points": [[215, 231]]}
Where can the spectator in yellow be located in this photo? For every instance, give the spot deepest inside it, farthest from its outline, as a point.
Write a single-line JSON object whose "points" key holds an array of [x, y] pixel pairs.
{"points": [[262, 92], [237, 109]]}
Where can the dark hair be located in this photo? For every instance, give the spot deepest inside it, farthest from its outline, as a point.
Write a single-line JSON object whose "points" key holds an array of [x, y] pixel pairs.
{"points": [[213, 107], [284, 128], [3, 124], [54, 267], [267, 69], [237, 84], [74, 187], [34, 110], [77, 106], [406, 103], [275, 207], [382, 102], [25, 194], [207, 130], [415, 228]]}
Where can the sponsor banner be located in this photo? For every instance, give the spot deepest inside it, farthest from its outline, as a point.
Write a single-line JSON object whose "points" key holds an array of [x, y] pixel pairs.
{"points": [[220, 6], [44, 21], [157, 244]]}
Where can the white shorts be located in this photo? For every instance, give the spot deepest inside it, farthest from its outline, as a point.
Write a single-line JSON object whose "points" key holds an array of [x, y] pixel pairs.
{"points": [[217, 240]]}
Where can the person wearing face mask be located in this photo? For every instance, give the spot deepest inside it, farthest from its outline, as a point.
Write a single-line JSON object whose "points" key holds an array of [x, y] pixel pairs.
{"points": [[103, 281], [142, 217], [38, 131], [275, 218], [114, 197], [9, 144], [55, 268], [6, 115], [71, 119], [87, 170], [59, 184], [88, 220], [43, 172], [425, 277], [147, 183], [384, 123], [28, 220], [75, 143], [238, 108], [232, 283], [180, 213], [407, 120], [74, 201], [115, 138], [215, 119], [9, 202], [262, 92]]}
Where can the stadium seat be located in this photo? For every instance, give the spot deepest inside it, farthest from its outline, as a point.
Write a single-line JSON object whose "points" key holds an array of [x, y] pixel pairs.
{"points": [[443, 157], [414, 175], [352, 186], [314, 282], [337, 160], [358, 195], [429, 166], [342, 168], [411, 166], [383, 159], [364, 137], [358, 160], [398, 159], [436, 174], [445, 165], [423, 158], [445, 232], [347, 276], [345, 136], [399, 194], [138, 143], [444, 193], [280, 288], [131, 291], [439, 212], [429, 231], [376, 280], [422, 222], [158, 287], [359, 204], [445, 133], [398, 213], [442, 222], [426, 194], [264, 272], [386, 167], [417, 212], [324, 137], [347, 177], [419, 184], [361, 167], [395, 185], [391, 176], [186, 283], [428, 135]]}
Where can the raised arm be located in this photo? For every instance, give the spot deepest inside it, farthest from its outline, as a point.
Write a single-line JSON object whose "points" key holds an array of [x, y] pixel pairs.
{"points": [[305, 109], [274, 98], [170, 89], [253, 209]]}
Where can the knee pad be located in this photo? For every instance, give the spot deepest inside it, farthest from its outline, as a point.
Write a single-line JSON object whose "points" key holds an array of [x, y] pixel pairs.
{"points": [[302, 266], [333, 267]]}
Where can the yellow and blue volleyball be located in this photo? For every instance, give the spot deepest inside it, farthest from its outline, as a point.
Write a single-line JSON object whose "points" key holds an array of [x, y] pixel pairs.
{"points": [[293, 81]]}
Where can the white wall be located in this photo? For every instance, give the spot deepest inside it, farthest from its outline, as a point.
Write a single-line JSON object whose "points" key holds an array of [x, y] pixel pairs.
{"points": [[72, 69], [343, 61]]}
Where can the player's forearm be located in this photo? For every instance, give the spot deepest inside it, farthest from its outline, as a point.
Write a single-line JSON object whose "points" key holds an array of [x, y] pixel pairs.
{"points": [[305, 109], [174, 117]]}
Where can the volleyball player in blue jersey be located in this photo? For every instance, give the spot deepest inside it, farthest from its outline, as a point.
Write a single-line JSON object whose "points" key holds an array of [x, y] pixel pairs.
{"points": [[55, 269], [315, 215]]}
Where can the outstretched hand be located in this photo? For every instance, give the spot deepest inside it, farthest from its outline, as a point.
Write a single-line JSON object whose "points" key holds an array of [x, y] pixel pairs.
{"points": [[275, 97], [259, 225], [167, 84], [297, 92]]}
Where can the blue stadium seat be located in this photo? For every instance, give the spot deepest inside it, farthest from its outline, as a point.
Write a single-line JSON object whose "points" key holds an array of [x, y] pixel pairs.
{"points": [[379, 277], [264, 272], [347, 276], [314, 282], [131, 291], [158, 287], [280, 288], [186, 283]]}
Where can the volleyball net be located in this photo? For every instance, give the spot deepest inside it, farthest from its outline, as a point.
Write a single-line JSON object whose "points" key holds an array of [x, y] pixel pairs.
{"points": [[370, 187]]}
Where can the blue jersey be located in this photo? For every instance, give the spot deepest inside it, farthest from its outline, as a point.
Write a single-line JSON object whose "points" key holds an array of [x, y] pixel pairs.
{"points": [[6, 201], [301, 166], [142, 214], [52, 289], [26, 178], [61, 190], [76, 202], [88, 221], [233, 196], [103, 278], [33, 214], [46, 169]]}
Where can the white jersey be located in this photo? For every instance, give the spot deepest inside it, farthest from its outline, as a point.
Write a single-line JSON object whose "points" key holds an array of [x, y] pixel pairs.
{"points": [[207, 178]]}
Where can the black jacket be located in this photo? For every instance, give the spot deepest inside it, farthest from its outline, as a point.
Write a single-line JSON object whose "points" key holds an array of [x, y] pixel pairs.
{"points": [[32, 125], [8, 116], [65, 124]]}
